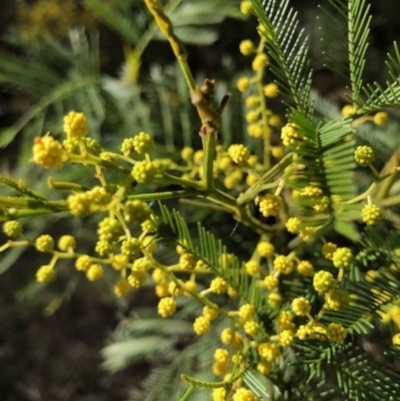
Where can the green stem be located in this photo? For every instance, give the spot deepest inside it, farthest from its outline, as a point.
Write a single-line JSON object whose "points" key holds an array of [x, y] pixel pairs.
{"points": [[18, 186], [148, 35], [256, 188], [96, 161], [70, 186], [170, 179], [148, 197], [188, 393], [208, 141], [363, 195], [29, 203]]}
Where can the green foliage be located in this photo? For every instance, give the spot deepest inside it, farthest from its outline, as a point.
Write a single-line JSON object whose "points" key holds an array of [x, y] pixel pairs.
{"points": [[287, 47], [192, 19]]}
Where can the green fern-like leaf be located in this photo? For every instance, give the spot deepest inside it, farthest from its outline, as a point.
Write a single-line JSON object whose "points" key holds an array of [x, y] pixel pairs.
{"points": [[116, 19], [173, 229], [288, 48], [327, 154], [354, 13], [379, 97]]}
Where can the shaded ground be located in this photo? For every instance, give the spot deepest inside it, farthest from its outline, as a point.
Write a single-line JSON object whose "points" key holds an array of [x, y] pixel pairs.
{"points": [[57, 358]]}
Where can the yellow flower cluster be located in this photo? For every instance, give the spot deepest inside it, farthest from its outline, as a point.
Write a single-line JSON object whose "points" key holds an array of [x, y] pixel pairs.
{"points": [[49, 153], [75, 125], [371, 215], [270, 205]]}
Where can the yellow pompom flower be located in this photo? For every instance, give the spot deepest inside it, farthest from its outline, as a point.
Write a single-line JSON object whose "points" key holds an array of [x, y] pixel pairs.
{"points": [[246, 8], [251, 327], [364, 155], [83, 263], [166, 307], [371, 214], [187, 261], [247, 311], [45, 274], [271, 205], [122, 288], [243, 394], [328, 250], [264, 367], [66, 243], [336, 332], [274, 299], [219, 394], [158, 275], [305, 268], [44, 243], [210, 313], [252, 101], [252, 116], [218, 285], [251, 179], [221, 355], [49, 153], [269, 351], [260, 61], [239, 153], [285, 320], [75, 125], [323, 281], [252, 267], [337, 299], [270, 282], [143, 171], [342, 258], [246, 47], [381, 118], [137, 279], [307, 232], [265, 249], [233, 179], [143, 143], [348, 110], [271, 90], [190, 286], [274, 121], [220, 369], [290, 136], [119, 261], [243, 84], [231, 337], [79, 204], [175, 289], [304, 332], [396, 339], [311, 191], [285, 338], [161, 290], [283, 264], [201, 325], [187, 153], [301, 306], [12, 228], [95, 272], [318, 332], [293, 225], [256, 130], [131, 247]]}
